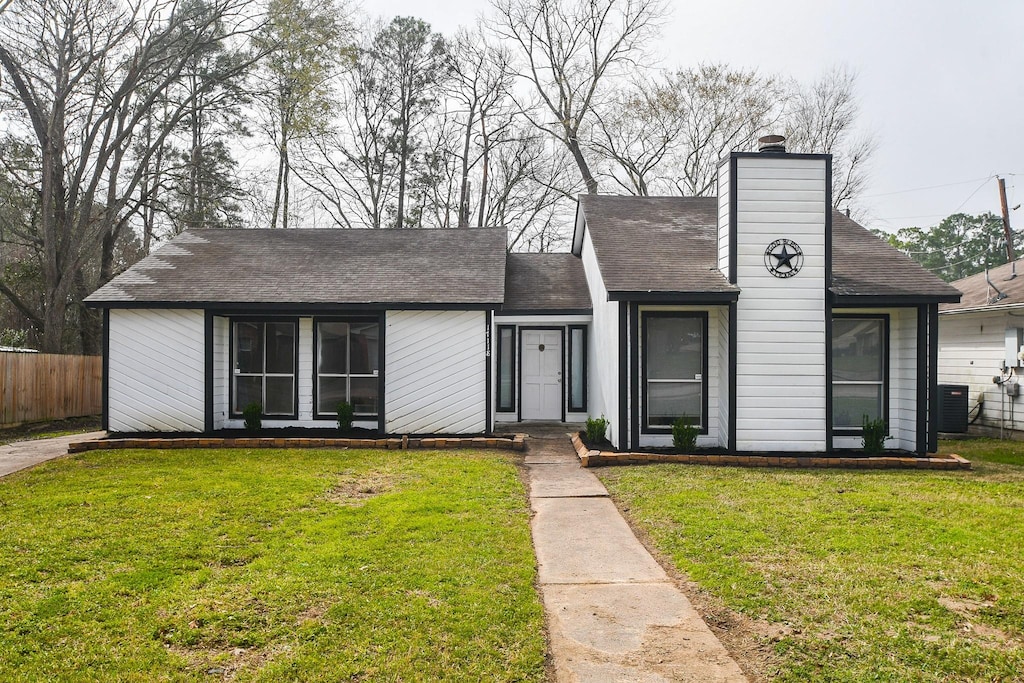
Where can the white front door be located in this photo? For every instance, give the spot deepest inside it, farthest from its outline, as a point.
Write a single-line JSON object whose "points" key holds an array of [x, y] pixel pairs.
{"points": [[542, 375]]}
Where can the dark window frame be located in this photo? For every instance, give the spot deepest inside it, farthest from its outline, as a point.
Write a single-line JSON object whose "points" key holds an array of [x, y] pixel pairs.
{"points": [[573, 407], [359, 417], [232, 320], [644, 317], [886, 360], [510, 406]]}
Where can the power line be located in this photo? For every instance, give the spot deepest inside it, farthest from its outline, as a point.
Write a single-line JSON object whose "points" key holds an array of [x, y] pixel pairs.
{"points": [[929, 187]]}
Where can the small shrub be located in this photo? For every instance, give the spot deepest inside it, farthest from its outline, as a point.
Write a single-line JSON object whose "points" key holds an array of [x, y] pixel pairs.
{"points": [[253, 414], [874, 435], [596, 427], [684, 434], [345, 413]]}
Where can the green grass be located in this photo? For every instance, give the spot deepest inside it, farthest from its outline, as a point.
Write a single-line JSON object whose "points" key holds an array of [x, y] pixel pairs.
{"points": [[269, 565], [871, 576]]}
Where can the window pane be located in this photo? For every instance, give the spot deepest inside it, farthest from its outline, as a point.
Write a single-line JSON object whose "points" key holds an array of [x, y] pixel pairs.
{"points": [[281, 348], [249, 347], [280, 396], [248, 390], [851, 402], [857, 353], [332, 391], [364, 395], [333, 349], [363, 345], [674, 348], [668, 401], [577, 353], [506, 336]]}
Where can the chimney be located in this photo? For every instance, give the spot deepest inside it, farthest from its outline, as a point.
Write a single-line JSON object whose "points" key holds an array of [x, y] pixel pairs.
{"points": [[771, 144]]}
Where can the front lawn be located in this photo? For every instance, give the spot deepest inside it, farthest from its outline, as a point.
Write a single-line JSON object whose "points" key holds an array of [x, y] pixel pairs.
{"points": [[860, 575], [269, 565]]}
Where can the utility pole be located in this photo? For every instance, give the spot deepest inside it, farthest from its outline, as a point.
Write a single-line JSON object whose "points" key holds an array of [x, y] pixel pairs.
{"points": [[1006, 221]]}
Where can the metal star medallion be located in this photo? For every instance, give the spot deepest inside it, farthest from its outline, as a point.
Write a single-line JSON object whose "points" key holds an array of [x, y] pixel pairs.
{"points": [[783, 258]]}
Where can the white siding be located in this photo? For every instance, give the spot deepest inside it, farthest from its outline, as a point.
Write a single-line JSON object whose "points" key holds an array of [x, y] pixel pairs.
{"points": [[972, 352], [902, 379], [718, 367], [724, 183], [780, 355], [435, 372], [305, 378], [603, 351], [157, 376], [221, 372]]}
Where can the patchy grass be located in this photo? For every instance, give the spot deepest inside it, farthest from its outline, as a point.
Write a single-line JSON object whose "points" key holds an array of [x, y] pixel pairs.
{"points": [[269, 565], [47, 430], [861, 575]]}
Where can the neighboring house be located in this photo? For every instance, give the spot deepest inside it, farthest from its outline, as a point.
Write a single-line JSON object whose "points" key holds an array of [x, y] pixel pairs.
{"points": [[768, 319], [980, 341]]}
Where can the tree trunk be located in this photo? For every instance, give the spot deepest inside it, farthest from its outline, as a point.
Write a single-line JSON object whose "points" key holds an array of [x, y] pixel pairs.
{"points": [[464, 189], [573, 144], [403, 155], [485, 171]]}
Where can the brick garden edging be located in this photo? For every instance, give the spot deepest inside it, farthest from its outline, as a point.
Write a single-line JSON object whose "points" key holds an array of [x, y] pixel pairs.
{"points": [[592, 458], [516, 443]]}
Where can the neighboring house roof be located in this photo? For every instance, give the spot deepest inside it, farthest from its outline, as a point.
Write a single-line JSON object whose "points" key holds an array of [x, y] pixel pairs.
{"points": [[544, 283], [979, 295], [666, 245], [412, 266], [670, 245]]}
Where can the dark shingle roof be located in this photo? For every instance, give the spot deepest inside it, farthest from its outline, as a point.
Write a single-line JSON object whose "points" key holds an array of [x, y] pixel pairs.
{"points": [[656, 244], [669, 244], [544, 282], [464, 266], [978, 295]]}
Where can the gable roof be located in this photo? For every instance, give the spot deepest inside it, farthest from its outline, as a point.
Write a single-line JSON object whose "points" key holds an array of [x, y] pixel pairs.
{"points": [[670, 245], [358, 267], [978, 295], [545, 283]]}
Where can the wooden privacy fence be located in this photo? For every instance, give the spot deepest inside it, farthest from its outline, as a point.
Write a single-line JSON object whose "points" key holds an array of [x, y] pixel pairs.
{"points": [[43, 386]]}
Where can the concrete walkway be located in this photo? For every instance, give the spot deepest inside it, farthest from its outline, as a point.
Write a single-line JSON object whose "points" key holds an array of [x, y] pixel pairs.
{"points": [[21, 454], [613, 612]]}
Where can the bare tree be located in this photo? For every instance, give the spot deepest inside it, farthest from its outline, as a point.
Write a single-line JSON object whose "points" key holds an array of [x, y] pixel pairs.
{"points": [[823, 118], [568, 49], [84, 74]]}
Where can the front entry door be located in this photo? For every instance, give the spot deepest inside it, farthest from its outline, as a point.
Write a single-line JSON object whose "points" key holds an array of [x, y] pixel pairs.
{"points": [[541, 375]]}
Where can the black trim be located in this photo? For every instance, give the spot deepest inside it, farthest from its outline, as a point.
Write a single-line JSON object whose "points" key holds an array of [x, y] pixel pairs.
{"points": [[382, 351], [106, 370], [733, 331], [829, 429], [487, 373], [621, 429], [933, 378], [733, 218], [634, 375], [371, 417], [519, 377], [576, 408], [891, 300], [780, 155], [921, 447], [208, 371], [886, 362], [511, 406], [231, 364], [297, 308], [542, 311], [678, 298], [642, 389]]}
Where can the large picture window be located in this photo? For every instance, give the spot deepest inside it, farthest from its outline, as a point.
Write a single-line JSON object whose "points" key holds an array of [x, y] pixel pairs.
{"points": [[263, 362], [347, 366], [859, 370], [674, 369]]}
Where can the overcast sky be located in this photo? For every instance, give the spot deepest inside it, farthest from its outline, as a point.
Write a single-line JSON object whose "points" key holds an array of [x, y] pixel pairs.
{"points": [[940, 83]]}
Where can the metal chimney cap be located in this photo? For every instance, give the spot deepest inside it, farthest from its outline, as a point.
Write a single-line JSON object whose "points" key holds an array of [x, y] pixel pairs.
{"points": [[772, 144]]}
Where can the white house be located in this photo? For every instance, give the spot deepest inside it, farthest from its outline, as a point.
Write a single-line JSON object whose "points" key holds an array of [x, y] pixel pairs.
{"points": [[772, 321], [980, 342]]}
